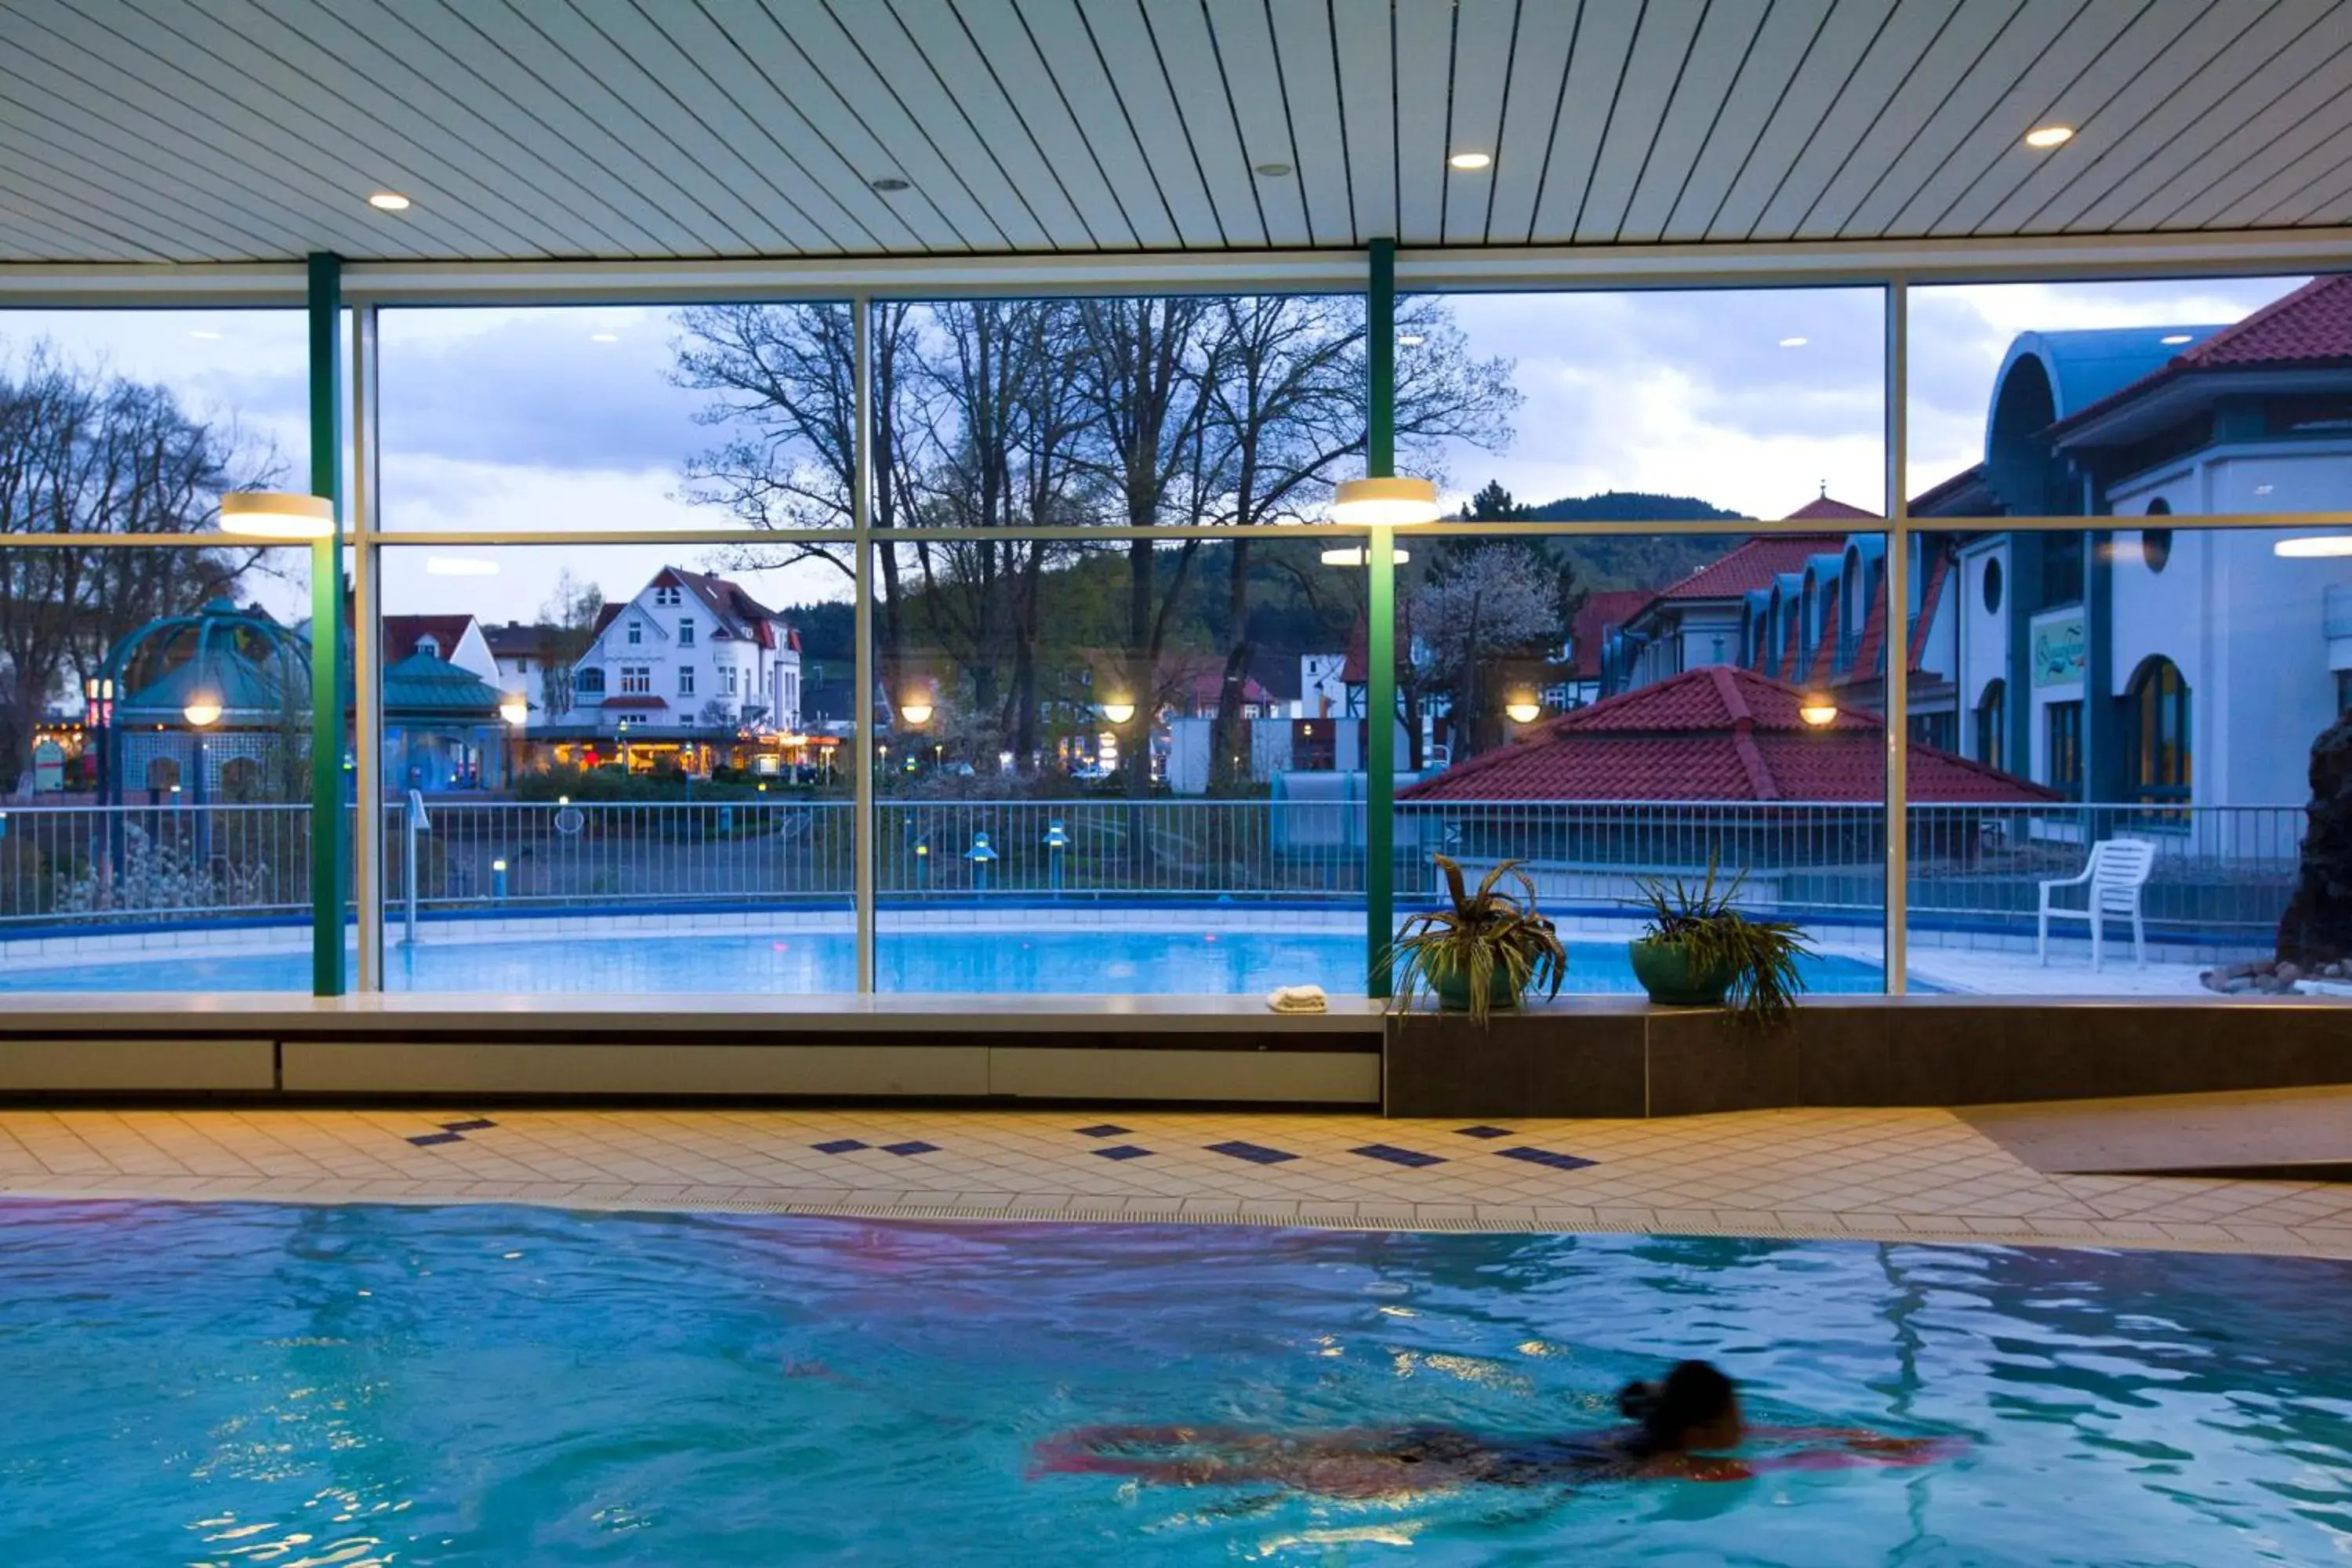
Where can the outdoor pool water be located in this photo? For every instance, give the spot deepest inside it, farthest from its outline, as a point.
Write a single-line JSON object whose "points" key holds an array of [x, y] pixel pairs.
{"points": [[1011, 961], [258, 1383]]}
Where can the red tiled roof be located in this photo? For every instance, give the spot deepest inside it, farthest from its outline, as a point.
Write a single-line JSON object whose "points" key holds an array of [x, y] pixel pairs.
{"points": [[402, 633], [1718, 733], [2309, 329], [1827, 508], [1600, 611], [1753, 565]]}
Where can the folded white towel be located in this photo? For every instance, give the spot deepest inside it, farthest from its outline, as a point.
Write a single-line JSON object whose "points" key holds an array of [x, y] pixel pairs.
{"points": [[1297, 999]]}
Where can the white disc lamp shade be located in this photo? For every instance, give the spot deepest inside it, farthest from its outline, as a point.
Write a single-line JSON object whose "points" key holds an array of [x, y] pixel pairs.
{"points": [[515, 708], [915, 709], [1817, 712], [1384, 500], [1525, 711], [277, 514], [1118, 712], [203, 711]]}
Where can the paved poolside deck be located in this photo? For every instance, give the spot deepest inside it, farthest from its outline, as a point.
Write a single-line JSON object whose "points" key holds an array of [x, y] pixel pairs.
{"points": [[1887, 1176]]}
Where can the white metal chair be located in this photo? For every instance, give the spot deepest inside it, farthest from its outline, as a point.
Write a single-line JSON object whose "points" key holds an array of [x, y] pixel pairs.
{"points": [[2118, 869]]}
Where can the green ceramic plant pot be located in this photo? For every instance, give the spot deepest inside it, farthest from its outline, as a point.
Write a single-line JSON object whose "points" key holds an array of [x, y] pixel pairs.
{"points": [[1453, 992], [1664, 971]]}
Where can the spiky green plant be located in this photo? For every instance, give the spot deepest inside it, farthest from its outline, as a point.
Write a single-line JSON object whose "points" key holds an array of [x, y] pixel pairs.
{"points": [[1486, 932], [1712, 934]]}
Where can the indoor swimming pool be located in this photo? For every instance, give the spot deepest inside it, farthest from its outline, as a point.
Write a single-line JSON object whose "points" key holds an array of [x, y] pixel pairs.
{"points": [[352, 1384]]}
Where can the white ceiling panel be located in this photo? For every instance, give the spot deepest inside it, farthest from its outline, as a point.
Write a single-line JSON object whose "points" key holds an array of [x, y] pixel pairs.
{"points": [[253, 131]]}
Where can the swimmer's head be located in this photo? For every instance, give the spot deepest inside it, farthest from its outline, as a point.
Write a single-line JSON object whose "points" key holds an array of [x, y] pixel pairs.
{"points": [[1693, 1407]]}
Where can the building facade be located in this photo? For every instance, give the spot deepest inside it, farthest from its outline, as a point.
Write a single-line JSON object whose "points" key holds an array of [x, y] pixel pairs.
{"points": [[691, 657]]}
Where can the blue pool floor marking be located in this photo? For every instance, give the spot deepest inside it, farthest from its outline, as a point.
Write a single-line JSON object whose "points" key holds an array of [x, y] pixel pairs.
{"points": [[476, 1125], [1102, 1130], [1396, 1156], [1555, 1160], [1256, 1153], [424, 1140], [1483, 1130], [1120, 1151], [912, 1146], [838, 1146]]}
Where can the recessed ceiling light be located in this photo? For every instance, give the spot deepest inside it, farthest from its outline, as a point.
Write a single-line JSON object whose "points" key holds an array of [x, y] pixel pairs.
{"points": [[1274, 170], [1409, 340], [1468, 162], [389, 202], [604, 337], [1793, 343], [2046, 136], [2175, 337], [200, 333], [2313, 546], [889, 184]]}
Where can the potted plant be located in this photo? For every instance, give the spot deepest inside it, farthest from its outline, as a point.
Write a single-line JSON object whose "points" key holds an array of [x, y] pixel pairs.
{"points": [[1698, 950], [1484, 952]]}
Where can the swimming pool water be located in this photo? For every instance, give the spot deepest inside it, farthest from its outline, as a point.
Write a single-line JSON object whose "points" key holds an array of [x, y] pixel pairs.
{"points": [[250, 1385], [1013, 960]]}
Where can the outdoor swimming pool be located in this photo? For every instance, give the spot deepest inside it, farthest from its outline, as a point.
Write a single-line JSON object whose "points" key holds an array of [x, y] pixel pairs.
{"points": [[1011, 961], [259, 1383]]}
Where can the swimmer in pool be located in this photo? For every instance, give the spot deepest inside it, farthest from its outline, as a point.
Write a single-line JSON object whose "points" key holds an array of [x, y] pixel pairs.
{"points": [[1678, 1427]]}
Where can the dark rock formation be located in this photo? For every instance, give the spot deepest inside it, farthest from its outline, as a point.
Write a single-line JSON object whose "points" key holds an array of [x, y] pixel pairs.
{"points": [[2316, 929]]}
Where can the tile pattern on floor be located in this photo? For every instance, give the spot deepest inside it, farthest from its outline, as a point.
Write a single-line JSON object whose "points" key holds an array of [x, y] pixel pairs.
{"points": [[1880, 1175]]}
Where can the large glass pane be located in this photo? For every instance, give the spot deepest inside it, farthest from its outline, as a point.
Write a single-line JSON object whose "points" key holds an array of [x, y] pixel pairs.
{"points": [[154, 751], [1119, 769], [1615, 712], [618, 416], [617, 768]]}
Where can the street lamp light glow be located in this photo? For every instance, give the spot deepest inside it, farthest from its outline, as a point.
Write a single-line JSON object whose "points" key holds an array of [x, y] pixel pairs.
{"points": [[203, 711], [515, 708], [1119, 710], [1817, 712]]}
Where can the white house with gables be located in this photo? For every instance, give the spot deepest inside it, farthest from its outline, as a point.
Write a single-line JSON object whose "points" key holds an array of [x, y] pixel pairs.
{"points": [[691, 655]]}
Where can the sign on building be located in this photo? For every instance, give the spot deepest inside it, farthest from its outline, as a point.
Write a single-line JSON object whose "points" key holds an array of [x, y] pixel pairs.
{"points": [[2058, 650]]}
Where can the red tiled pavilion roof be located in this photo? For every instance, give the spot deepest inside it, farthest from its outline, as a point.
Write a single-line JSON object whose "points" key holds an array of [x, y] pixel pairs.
{"points": [[1826, 508], [1718, 733], [2309, 329]]}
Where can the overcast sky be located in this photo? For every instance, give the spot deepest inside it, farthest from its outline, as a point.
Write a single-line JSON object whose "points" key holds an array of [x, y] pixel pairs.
{"points": [[566, 418]]}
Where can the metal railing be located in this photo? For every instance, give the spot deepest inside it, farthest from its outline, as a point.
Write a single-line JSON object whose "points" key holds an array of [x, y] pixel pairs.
{"points": [[76, 867], [2222, 874]]}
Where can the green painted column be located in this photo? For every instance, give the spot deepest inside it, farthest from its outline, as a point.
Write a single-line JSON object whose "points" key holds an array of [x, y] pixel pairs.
{"points": [[1380, 642], [329, 827]]}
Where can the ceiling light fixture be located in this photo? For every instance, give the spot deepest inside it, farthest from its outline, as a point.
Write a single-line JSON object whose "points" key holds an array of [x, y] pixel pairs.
{"points": [[200, 333], [604, 337], [1794, 343], [1469, 163], [1356, 555], [2174, 339], [389, 202], [1384, 500], [460, 567], [2313, 546], [2045, 137], [890, 184], [1409, 340], [277, 514], [1273, 171]]}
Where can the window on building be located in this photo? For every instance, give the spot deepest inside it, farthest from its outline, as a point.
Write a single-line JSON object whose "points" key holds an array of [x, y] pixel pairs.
{"points": [[1992, 720], [2342, 689], [686, 682], [666, 595], [1937, 730], [589, 681], [636, 634], [686, 634], [2156, 543], [2061, 569], [636, 680], [1992, 587], [2064, 750], [2156, 733], [727, 678]]}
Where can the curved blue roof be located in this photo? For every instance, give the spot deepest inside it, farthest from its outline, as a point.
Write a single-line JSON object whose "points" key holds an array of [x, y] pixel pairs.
{"points": [[2086, 366]]}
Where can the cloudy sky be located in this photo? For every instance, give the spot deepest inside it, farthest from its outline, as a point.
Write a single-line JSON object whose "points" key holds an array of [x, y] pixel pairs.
{"points": [[530, 420]]}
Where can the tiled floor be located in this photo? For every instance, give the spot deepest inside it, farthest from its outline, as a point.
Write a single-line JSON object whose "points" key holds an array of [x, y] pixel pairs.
{"points": [[1885, 1174]]}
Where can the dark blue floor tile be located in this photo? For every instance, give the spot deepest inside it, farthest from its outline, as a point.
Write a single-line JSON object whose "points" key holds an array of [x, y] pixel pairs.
{"points": [[1256, 1153], [1122, 1152], [1396, 1156], [1103, 1129], [474, 1126], [1484, 1131], [421, 1138], [912, 1146], [1557, 1162], [839, 1146]]}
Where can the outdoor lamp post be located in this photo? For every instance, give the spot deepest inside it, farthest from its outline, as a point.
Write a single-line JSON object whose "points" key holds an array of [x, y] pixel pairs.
{"points": [[498, 880], [203, 711], [1057, 838], [980, 853]]}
